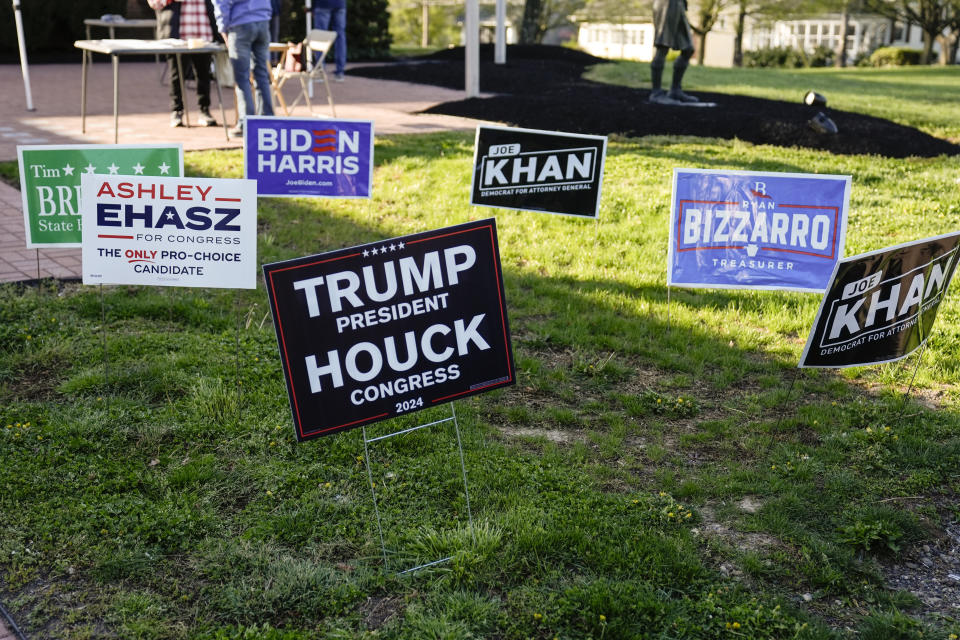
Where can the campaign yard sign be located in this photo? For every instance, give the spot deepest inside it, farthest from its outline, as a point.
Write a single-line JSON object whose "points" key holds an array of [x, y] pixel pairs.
{"points": [[754, 230], [384, 329], [50, 183], [309, 157], [174, 232], [881, 305], [534, 170]]}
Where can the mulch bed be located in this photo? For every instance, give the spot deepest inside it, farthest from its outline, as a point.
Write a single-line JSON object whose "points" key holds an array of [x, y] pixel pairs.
{"points": [[540, 87]]}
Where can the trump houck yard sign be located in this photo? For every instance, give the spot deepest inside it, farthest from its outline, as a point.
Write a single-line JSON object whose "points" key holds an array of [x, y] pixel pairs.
{"points": [[379, 330], [175, 232]]}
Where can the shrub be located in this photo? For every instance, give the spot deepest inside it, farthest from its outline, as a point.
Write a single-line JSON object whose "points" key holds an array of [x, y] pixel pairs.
{"points": [[894, 57], [788, 57]]}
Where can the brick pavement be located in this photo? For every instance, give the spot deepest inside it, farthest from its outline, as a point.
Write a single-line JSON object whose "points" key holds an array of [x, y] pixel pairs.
{"points": [[144, 119]]}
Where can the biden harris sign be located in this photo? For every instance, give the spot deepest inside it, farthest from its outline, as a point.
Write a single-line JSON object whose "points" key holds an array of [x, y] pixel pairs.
{"points": [[309, 157], [747, 230], [174, 232], [536, 170], [881, 305], [379, 330]]}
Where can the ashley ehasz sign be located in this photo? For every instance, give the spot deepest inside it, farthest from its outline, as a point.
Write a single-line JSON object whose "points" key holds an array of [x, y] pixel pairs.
{"points": [[881, 305], [50, 183], [375, 331], [175, 232], [538, 171], [749, 230], [309, 156]]}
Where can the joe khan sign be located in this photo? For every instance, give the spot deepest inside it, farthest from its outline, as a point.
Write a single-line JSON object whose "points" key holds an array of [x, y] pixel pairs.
{"points": [[746, 230], [180, 232], [309, 157], [379, 330], [881, 305], [50, 183], [538, 171]]}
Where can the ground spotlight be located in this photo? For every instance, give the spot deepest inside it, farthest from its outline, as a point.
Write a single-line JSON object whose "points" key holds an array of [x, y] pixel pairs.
{"points": [[814, 99]]}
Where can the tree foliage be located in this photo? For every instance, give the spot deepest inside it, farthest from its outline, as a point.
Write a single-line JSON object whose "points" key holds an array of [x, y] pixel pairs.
{"points": [[934, 17], [539, 16]]}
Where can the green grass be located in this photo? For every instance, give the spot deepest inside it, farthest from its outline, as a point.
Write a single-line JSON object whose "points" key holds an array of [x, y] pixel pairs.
{"points": [[170, 500], [927, 98]]}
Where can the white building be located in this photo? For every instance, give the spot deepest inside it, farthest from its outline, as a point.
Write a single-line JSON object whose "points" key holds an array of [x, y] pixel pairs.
{"points": [[865, 32]]}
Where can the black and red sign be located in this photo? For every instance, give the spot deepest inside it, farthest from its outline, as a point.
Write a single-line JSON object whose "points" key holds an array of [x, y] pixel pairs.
{"points": [[881, 306], [379, 330]]}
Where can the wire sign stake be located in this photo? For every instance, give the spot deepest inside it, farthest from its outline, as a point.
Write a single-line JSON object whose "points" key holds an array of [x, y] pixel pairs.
{"points": [[367, 441]]}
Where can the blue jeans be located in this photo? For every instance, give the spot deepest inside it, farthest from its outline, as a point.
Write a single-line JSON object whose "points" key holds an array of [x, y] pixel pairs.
{"points": [[243, 42], [334, 20]]}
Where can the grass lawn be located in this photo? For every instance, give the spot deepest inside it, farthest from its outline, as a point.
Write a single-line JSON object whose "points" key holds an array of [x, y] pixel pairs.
{"points": [[640, 480], [927, 98]]}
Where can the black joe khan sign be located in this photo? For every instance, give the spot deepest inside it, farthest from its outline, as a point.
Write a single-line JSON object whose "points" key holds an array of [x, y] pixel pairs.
{"points": [[375, 331], [880, 306]]}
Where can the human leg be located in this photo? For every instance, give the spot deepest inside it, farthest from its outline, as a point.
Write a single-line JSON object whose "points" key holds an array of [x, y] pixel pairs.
{"points": [[238, 48], [338, 23], [260, 48], [322, 19], [176, 99]]}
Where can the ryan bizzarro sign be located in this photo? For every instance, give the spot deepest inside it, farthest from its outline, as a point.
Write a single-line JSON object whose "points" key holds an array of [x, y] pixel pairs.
{"points": [[756, 230], [534, 170], [881, 306], [379, 330], [174, 232], [50, 183]]}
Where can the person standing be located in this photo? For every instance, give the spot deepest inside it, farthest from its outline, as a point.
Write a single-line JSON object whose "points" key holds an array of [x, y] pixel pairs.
{"points": [[331, 15], [670, 31], [245, 26], [187, 20]]}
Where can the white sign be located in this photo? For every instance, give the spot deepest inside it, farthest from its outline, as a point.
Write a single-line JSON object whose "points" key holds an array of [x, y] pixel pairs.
{"points": [[171, 232]]}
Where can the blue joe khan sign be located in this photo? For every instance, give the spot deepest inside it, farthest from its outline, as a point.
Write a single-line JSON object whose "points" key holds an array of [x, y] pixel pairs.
{"points": [[748, 230]]}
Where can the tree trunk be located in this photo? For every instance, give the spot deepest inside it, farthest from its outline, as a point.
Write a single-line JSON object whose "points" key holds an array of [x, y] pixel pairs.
{"points": [[701, 39], [927, 47], [530, 29], [842, 45], [738, 36]]}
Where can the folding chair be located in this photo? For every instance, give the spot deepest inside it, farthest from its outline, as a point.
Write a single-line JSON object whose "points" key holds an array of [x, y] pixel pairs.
{"points": [[292, 65]]}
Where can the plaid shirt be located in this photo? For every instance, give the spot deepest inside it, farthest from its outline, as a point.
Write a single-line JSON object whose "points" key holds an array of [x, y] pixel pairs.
{"points": [[194, 22]]}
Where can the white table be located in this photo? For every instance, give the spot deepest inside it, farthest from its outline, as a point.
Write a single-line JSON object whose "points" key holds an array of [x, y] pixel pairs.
{"points": [[112, 25], [117, 48]]}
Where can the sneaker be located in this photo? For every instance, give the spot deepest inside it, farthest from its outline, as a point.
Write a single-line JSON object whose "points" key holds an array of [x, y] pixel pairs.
{"points": [[176, 119], [338, 77], [207, 120], [236, 132], [659, 96], [680, 96]]}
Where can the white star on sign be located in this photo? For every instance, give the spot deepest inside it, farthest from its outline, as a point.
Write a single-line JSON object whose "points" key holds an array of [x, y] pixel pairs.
{"points": [[169, 215], [113, 169], [400, 246], [366, 254], [164, 169], [89, 168], [68, 170], [383, 249], [374, 251], [393, 247], [138, 169]]}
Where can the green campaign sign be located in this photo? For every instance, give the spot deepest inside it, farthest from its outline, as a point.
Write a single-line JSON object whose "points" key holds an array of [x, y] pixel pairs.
{"points": [[50, 183]]}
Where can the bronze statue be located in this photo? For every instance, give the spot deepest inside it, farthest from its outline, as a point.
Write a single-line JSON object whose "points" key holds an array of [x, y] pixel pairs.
{"points": [[671, 31]]}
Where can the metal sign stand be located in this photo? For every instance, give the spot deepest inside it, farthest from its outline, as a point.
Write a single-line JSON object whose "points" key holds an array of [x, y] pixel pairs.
{"points": [[373, 492], [906, 394]]}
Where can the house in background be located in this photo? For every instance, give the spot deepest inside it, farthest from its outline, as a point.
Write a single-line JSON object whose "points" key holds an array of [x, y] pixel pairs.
{"points": [[865, 32]]}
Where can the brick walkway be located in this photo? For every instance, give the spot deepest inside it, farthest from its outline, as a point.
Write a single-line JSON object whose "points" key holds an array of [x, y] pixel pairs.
{"points": [[144, 119]]}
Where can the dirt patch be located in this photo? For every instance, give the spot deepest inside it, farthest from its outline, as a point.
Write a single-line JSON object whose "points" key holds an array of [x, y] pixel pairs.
{"points": [[541, 87], [377, 611], [932, 573]]}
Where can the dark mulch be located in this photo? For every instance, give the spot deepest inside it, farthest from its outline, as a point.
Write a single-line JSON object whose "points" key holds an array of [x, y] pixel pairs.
{"points": [[540, 87]]}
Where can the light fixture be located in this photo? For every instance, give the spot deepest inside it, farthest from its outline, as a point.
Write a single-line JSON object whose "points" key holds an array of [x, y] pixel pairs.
{"points": [[814, 99]]}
